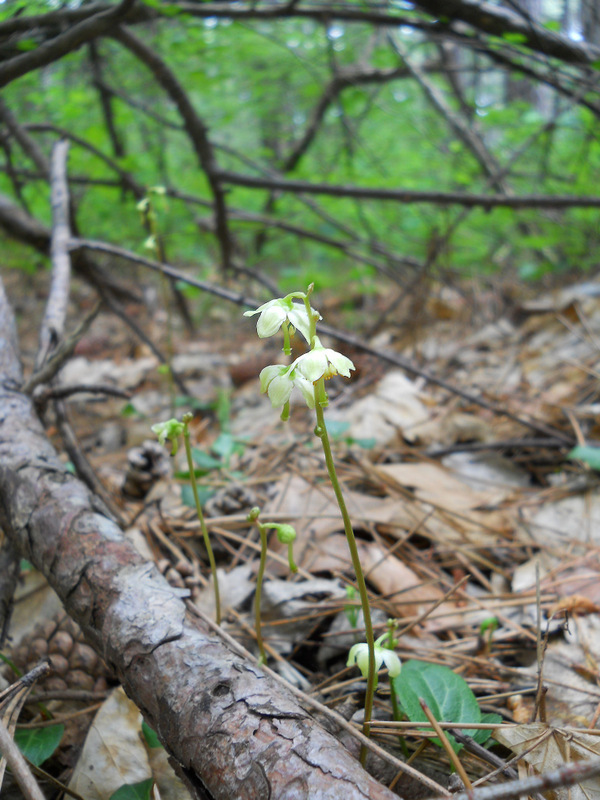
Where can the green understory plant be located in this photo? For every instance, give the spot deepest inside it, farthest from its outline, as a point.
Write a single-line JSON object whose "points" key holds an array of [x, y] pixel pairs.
{"points": [[170, 431], [286, 535], [385, 655], [308, 373], [447, 695]]}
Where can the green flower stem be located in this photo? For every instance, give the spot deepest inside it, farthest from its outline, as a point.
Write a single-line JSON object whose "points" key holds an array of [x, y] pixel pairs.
{"points": [[207, 544], [397, 717], [258, 594], [321, 432]]}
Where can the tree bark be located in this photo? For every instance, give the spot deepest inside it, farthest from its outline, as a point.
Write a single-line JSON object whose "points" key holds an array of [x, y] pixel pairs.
{"points": [[235, 732]]}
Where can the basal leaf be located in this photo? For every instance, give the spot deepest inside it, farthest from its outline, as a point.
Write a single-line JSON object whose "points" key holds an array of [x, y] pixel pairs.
{"points": [[205, 461], [38, 744], [134, 791], [588, 454], [336, 428], [447, 695], [187, 495], [482, 736], [150, 736]]}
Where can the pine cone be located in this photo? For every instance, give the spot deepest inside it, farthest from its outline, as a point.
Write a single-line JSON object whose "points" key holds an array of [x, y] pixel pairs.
{"points": [[147, 464], [75, 665], [234, 498]]}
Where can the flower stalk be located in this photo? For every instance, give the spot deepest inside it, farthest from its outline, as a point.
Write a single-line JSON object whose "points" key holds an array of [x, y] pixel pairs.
{"points": [[321, 432], [171, 430], [308, 373], [286, 535]]}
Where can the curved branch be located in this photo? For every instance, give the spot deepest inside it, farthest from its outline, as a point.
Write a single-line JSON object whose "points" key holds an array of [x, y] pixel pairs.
{"points": [[64, 43], [196, 131], [412, 196]]}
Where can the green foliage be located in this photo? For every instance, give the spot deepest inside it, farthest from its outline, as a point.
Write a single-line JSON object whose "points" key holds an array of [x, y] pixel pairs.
{"points": [[134, 791], [588, 454], [150, 736], [447, 695], [382, 134], [337, 429], [38, 744]]}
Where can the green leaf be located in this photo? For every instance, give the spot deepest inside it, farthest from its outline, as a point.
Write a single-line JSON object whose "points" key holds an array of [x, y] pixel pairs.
{"points": [[187, 495], [27, 44], [129, 410], [134, 791], [514, 37], [205, 461], [447, 695], [336, 428], [11, 664], [38, 744], [225, 446], [150, 736], [596, 64], [482, 736], [183, 400], [588, 454], [366, 444]]}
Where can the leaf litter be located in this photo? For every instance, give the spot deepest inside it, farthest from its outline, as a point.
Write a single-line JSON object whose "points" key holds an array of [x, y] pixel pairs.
{"points": [[496, 525]]}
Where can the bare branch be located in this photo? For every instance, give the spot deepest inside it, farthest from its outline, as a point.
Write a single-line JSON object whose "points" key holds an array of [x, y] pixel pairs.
{"points": [[412, 196], [53, 323], [196, 131], [18, 765], [64, 43]]}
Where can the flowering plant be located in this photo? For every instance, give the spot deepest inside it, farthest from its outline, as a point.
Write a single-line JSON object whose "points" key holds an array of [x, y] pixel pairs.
{"points": [[359, 655], [308, 373], [171, 430]]}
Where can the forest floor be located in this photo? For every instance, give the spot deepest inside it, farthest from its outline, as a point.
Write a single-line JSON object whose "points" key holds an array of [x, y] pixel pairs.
{"points": [[477, 533]]}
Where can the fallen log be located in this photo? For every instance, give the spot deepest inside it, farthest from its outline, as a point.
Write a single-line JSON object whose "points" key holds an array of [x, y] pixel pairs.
{"points": [[234, 731]]}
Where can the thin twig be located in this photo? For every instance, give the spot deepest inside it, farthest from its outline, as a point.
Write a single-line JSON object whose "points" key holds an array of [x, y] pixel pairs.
{"points": [[18, 765], [446, 744]]}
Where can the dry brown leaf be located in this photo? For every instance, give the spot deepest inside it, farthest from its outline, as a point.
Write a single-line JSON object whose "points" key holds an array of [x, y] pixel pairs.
{"points": [[113, 753], [552, 748], [394, 407], [435, 484]]}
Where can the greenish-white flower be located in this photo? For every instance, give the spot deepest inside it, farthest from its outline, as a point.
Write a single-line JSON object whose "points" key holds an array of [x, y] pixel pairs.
{"points": [[274, 313], [359, 655], [322, 362], [278, 381], [170, 431]]}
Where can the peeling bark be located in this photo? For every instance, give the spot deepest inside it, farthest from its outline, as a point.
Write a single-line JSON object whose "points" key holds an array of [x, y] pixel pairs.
{"points": [[235, 732]]}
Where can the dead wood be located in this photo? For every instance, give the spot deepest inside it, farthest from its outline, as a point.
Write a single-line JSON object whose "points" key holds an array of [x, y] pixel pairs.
{"points": [[235, 731]]}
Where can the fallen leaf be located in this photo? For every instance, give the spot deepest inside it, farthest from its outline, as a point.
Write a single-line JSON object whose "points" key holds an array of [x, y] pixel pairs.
{"points": [[113, 753], [545, 749]]}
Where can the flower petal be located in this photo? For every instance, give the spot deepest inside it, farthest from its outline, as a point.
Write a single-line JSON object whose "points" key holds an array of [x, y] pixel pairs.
{"points": [[392, 662], [307, 389], [280, 389], [267, 374], [341, 363], [312, 365], [298, 318], [270, 321]]}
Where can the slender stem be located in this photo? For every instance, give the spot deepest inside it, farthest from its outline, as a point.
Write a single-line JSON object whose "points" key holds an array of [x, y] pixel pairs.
{"points": [[207, 544], [397, 717], [321, 432], [258, 594]]}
